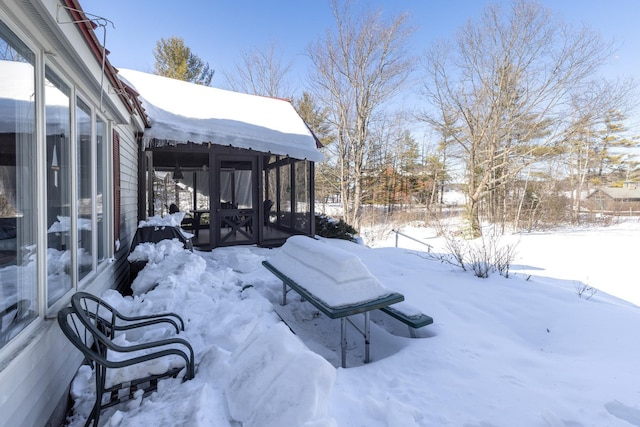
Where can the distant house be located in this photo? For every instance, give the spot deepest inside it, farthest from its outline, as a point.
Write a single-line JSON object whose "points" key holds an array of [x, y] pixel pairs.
{"points": [[615, 201]]}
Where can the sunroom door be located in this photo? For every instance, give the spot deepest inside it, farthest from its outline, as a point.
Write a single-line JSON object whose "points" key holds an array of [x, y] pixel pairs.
{"points": [[237, 208]]}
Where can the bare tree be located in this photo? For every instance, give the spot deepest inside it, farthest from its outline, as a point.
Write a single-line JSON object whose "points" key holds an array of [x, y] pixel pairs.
{"points": [[358, 67], [261, 72], [507, 83]]}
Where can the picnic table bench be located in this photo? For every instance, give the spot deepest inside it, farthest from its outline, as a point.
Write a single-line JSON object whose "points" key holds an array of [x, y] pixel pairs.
{"points": [[413, 319], [337, 283]]}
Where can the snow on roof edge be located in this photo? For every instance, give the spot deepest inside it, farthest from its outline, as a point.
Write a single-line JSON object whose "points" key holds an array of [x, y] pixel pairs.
{"points": [[182, 112]]}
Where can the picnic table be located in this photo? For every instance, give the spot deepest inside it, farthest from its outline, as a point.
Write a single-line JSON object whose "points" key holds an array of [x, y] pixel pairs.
{"points": [[334, 281]]}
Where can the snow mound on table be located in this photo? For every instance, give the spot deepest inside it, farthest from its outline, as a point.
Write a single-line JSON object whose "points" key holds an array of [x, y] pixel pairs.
{"points": [[169, 270], [170, 220], [156, 253], [337, 264], [333, 275]]}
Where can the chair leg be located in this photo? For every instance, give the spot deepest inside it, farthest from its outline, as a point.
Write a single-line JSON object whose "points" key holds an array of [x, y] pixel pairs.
{"points": [[100, 373]]}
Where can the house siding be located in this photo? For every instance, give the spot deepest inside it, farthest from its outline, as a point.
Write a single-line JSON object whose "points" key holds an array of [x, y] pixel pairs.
{"points": [[128, 203], [128, 187], [38, 365], [614, 201]]}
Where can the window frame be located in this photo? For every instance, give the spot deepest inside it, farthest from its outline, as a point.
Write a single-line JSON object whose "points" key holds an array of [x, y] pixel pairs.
{"points": [[22, 46], [96, 265], [53, 307], [46, 66]]}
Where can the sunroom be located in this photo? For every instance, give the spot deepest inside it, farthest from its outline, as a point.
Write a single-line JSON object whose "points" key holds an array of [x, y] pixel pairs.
{"points": [[240, 167]]}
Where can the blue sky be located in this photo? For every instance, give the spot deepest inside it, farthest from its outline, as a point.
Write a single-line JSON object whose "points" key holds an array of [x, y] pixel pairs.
{"points": [[219, 31]]}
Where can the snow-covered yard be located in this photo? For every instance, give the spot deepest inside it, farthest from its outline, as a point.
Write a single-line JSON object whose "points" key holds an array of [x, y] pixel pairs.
{"points": [[525, 351]]}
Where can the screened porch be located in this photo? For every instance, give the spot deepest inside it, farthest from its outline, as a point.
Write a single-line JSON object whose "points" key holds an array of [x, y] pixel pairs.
{"points": [[230, 196]]}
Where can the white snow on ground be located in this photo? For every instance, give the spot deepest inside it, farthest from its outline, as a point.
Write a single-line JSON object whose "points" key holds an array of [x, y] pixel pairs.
{"points": [[522, 351]]}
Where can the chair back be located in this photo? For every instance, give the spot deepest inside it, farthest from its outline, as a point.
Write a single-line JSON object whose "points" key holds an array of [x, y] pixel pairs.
{"points": [[96, 311], [83, 338]]}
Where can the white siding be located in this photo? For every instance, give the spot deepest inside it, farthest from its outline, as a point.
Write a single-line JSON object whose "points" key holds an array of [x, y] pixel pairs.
{"points": [[128, 186], [36, 368]]}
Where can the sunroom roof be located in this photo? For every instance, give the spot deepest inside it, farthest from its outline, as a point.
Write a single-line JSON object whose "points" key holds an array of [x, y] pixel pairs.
{"points": [[181, 112]]}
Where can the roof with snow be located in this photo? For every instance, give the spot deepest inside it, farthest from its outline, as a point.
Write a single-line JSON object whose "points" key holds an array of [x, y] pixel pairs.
{"points": [[630, 191], [181, 112]]}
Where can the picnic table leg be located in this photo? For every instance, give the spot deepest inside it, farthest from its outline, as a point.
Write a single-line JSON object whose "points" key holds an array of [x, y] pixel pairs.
{"points": [[343, 340], [284, 293], [367, 336]]}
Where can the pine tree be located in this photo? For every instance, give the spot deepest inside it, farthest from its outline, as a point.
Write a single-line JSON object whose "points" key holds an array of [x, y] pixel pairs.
{"points": [[327, 182], [611, 156], [175, 60]]}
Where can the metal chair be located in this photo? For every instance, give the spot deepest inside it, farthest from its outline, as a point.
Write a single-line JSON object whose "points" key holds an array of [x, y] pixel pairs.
{"points": [[96, 307], [90, 324]]}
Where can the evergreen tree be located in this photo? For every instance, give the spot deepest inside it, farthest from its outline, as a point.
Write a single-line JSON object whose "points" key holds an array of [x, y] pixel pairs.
{"points": [[315, 117], [327, 183], [175, 60], [611, 156]]}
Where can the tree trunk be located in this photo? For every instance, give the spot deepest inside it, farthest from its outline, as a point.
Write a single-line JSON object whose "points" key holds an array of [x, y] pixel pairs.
{"points": [[473, 217]]}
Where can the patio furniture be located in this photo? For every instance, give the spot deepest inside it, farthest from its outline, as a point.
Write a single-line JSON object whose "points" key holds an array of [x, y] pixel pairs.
{"points": [[152, 234], [267, 205], [342, 312], [155, 234], [115, 321], [197, 220], [91, 325], [414, 319], [229, 221]]}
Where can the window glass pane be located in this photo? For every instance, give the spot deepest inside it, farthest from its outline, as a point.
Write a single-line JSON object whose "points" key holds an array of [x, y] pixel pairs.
{"points": [[271, 195], [302, 191], [284, 213], [58, 125], [101, 168], [18, 283], [85, 189]]}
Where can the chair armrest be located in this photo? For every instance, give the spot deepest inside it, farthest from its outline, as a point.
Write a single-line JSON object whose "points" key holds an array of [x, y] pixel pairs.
{"points": [[151, 319], [187, 355], [109, 316]]}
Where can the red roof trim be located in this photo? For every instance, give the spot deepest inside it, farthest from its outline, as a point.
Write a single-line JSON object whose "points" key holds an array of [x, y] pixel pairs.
{"points": [[86, 27]]}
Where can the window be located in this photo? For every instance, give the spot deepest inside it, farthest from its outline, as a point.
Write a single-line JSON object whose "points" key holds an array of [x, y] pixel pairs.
{"points": [[18, 283], [74, 183], [302, 194], [92, 166], [285, 196], [58, 125], [288, 182], [85, 189], [101, 170], [116, 189]]}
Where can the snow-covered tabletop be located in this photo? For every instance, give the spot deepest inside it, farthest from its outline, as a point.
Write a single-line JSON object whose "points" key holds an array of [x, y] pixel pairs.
{"points": [[336, 277]]}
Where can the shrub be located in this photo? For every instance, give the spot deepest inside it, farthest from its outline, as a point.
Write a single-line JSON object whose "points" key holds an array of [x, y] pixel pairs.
{"points": [[334, 229], [482, 256]]}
